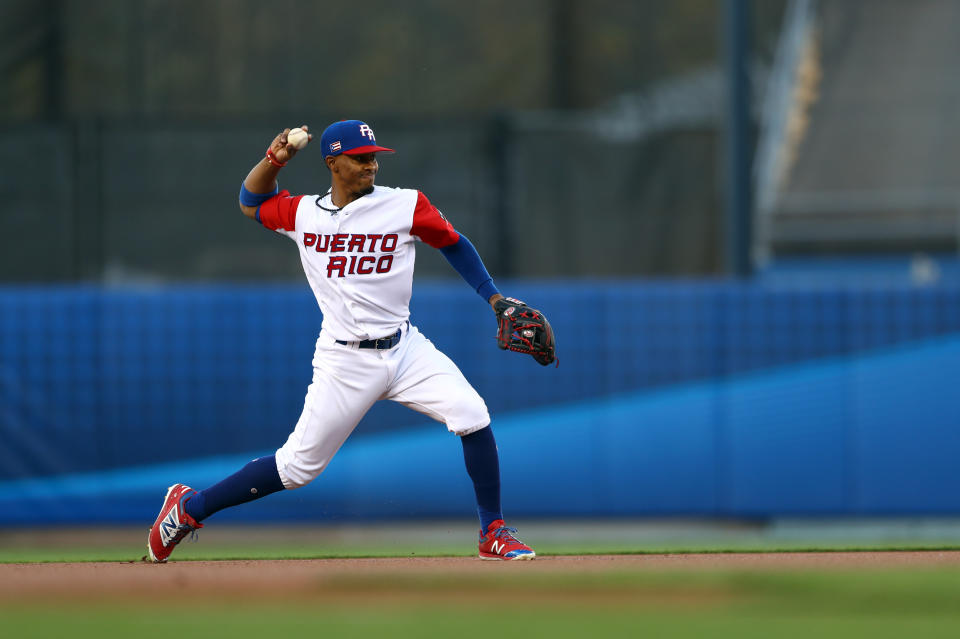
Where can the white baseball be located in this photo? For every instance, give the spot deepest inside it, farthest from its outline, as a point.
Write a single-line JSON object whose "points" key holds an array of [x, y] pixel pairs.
{"points": [[298, 138]]}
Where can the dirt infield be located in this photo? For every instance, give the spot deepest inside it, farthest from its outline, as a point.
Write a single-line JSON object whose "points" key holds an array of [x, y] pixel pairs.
{"points": [[345, 578]]}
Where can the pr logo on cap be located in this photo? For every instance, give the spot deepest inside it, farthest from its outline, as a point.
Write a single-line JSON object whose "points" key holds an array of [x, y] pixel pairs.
{"points": [[350, 137]]}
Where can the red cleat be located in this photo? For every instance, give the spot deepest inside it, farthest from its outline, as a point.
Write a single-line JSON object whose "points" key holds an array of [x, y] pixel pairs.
{"points": [[499, 544], [172, 524]]}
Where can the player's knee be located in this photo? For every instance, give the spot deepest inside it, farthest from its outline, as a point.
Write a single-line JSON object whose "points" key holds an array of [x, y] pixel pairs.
{"points": [[476, 410], [294, 477], [470, 414], [294, 473]]}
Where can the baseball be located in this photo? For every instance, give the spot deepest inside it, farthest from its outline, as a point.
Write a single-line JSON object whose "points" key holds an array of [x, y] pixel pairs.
{"points": [[298, 138]]}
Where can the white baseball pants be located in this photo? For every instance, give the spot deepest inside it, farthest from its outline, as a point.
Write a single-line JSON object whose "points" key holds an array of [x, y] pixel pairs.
{"points": [[348, 380]]}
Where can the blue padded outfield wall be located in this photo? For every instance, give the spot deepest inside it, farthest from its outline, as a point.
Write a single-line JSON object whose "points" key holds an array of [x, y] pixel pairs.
{"points": [[701, 398]]}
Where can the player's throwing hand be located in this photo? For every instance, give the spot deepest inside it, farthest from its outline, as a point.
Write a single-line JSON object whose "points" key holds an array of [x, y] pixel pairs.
{"points": [[282, 148]]}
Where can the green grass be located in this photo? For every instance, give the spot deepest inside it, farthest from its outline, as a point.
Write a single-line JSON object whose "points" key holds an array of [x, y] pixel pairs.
{"points": [[512, 622], [737, 603]]}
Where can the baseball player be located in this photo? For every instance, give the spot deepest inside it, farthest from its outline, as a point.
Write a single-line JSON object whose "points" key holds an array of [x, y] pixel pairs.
{"points": [[357, 243]]}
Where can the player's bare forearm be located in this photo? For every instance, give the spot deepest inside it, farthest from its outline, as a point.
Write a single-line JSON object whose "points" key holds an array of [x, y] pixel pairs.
{"points": [[262, 178], [494, 299]]}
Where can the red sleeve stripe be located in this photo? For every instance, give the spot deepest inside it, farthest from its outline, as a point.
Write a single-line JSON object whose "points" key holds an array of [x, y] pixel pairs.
{"points": [[430, 225], [279, 212]]}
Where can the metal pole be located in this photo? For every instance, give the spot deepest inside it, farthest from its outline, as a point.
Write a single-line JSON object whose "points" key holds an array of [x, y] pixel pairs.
{"points": [[53, 61], [739, 193], [562, 54], [500, 154]]}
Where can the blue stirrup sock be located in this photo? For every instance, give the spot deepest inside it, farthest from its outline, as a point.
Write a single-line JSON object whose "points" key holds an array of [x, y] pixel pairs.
{"points": [[255, 480], [483, 466]]}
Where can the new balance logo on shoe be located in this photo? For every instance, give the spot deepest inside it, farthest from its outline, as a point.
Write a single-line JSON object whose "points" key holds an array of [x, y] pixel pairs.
{"points": [[498, 543], [169, 527], [173, 523]]}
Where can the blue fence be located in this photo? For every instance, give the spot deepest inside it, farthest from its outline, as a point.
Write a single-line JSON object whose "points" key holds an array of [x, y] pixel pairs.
{"points": [[673, 387]]}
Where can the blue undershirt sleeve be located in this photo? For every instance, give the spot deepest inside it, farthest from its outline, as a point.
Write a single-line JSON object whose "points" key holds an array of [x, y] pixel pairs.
{"points": [[464, 258]]}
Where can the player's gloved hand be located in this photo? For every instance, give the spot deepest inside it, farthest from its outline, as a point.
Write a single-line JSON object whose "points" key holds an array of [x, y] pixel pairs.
{"points": [[524, 330], [281, 150]]}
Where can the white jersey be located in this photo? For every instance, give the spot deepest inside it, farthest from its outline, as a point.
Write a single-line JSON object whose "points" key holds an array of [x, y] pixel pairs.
{"points": [[359, 260]]}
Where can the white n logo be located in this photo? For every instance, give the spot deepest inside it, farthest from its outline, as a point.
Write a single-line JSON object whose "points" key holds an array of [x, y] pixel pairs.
{"points": [[367, 131], [168, 527], [497, 546]]}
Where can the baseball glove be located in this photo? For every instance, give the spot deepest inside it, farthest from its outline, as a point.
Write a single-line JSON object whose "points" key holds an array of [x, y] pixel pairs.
{"points": [[524, 330]]}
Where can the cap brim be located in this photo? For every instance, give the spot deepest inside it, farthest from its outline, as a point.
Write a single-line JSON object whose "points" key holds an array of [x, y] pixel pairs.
{"points": [[373, 148]]}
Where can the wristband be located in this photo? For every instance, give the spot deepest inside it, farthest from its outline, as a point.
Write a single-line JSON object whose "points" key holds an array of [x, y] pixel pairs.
{"points": [[271, 158], [249, 198]]}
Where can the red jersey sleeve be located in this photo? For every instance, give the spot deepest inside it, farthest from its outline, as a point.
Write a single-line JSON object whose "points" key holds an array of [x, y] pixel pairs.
{"points": [[430, 225], [279, 212]]}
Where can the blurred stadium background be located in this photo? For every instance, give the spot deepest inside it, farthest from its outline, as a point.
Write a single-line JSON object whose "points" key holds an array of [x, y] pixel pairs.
{"points": [[743, 219]]}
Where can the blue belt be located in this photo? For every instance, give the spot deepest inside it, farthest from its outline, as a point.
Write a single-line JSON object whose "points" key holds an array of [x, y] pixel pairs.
{"points": [[383, 343]]}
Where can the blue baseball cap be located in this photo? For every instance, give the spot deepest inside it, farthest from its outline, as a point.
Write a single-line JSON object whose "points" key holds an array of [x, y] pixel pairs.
{"points": [[350, 137]]}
